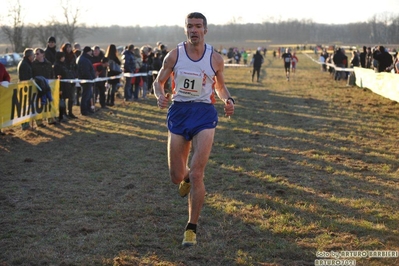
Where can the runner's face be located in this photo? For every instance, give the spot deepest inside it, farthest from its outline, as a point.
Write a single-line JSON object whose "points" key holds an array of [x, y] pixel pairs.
{"points": [[195, 30]]}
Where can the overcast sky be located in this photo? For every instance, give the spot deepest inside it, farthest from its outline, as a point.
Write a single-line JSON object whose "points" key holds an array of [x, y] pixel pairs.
{"points": [[155, 12]]}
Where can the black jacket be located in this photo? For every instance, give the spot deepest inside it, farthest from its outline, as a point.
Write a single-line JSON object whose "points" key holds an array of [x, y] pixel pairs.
{"points": [[85, 67], [49, 54], [25, 70], [355, 62], [44, 69], [384, 60], [60, 69], [258, 59], [128, 62], [339, 58]]}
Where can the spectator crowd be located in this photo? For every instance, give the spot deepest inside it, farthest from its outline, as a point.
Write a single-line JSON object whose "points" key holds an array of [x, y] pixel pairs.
{"points": [[90, 77], [113, 71], [377, 58]]}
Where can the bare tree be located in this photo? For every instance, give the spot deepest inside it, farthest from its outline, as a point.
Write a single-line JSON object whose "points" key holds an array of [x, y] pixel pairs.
{"points": [[70, 28], [394, 30], [385, 19], [29, 36], [14, 33], [42, 33]]}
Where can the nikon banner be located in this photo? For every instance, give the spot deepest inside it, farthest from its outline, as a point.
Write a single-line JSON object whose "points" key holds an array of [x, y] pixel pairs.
{"points": [[19, 102]]}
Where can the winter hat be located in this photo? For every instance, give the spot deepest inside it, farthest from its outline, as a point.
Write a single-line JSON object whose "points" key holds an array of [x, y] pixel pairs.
{"points": [[51, 39], [86, 49]]}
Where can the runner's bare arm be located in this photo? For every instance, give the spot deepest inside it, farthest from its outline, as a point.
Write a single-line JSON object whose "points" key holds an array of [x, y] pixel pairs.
{"points": [[220, 86], [163, 75]]}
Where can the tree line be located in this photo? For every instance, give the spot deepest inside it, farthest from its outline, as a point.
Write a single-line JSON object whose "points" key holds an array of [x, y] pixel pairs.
{"points": [[283, 32], [381, 29]]}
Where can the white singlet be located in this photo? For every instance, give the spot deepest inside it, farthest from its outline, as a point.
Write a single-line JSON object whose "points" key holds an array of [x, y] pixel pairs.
{"points": [[193, 80]]}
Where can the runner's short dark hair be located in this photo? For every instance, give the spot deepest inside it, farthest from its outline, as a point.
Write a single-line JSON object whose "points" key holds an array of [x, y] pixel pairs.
{"points": [[198, 15]]}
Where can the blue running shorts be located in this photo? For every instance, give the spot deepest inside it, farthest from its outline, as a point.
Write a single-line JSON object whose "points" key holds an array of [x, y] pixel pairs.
{"points": [[189, 118]]}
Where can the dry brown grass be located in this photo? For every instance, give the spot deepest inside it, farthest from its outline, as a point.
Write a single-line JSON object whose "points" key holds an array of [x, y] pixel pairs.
{"points": [[303, 166]]}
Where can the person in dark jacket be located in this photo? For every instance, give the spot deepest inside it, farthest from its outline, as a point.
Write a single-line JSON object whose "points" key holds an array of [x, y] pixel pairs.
{"points": [[156, 65], [24, 70], [86, 72], [383, 58], [157, 62], [338, 60], [362, 57], [287, 59], [128, 66], [114, 69], [67, 89], [51, 49], [42, 67], [355, 61], [70, 63], [369, 58], [257, 61]]}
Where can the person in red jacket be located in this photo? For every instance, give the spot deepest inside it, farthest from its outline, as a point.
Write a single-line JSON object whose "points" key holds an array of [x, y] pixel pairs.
{"points": [[4, 76], [294, 60]]}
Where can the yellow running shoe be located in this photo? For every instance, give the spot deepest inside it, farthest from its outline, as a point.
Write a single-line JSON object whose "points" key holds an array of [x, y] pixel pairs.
{"points": [[190, 238], [184, 188]]}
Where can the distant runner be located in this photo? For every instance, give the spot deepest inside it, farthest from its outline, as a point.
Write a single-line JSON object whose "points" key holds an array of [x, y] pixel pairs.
{"points": [[287, 58]]}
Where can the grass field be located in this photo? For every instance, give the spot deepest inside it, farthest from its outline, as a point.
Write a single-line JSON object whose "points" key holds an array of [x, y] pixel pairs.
{"points": [[304, 170]]}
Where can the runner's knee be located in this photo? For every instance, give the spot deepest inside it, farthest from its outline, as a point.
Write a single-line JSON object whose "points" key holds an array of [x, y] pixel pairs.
{"points": [[177, 176]]}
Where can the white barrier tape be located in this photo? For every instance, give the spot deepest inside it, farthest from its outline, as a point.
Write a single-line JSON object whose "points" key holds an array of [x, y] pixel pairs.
{"points": [[235, 65], [108, 78], [331, 65]]}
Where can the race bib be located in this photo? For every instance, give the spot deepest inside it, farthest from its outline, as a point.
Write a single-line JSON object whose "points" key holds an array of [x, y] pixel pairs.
{"points": [[189, 83]]}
